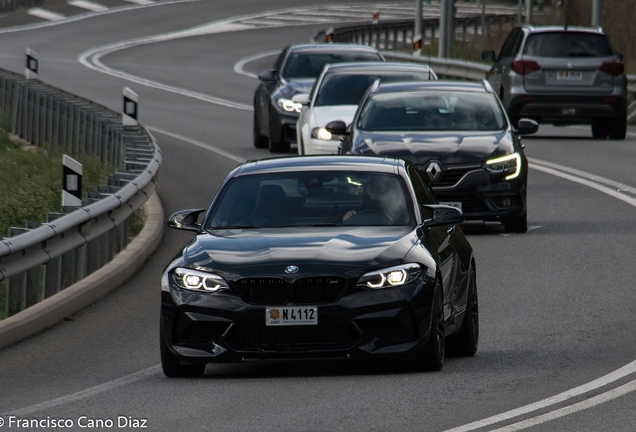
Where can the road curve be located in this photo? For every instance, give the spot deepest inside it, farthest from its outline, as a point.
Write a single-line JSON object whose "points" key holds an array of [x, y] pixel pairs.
{"points": [[554, 301]]}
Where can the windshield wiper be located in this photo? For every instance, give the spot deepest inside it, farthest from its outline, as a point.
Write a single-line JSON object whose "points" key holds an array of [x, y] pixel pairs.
{"points": [[580, 54], [229, 227], [321, 225]]}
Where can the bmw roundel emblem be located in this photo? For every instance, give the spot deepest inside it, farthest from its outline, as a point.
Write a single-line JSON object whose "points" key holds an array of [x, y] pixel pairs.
{"points": [[291, 269]]}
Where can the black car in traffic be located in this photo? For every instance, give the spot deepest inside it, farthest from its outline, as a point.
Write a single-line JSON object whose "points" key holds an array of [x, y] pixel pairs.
{"points": [[295, 71], [320, 256], [459, 136]]}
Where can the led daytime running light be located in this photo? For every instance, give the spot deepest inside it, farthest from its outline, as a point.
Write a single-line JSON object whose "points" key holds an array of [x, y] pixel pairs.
{"points": [[502, 160]]}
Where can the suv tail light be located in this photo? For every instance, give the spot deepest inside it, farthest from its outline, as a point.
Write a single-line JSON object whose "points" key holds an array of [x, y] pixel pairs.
{"points": [[613, 68], [524, 67]]}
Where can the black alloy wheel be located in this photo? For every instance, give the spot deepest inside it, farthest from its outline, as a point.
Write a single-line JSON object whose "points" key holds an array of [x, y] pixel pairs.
{"points": [[517, 224], [260, 141], [432, 356], [465, 342], [171, 365]]}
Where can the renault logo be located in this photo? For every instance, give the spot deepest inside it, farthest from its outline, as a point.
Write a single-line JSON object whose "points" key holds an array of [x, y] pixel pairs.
{"points": [[434, 171], [570, 66], [291, 269]]}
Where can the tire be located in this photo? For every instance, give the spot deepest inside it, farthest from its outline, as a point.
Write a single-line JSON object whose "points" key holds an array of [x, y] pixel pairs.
{"points": [[618, 128], [465, 342], [172, 367], [259, 140], [432, 356], [276, 146], [600, 129], [518, 224]]}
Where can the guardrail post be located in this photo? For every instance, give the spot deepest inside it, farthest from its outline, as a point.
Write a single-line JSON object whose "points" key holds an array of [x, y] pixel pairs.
{"points": [[53, 269], [34, 287], [17, 285]]}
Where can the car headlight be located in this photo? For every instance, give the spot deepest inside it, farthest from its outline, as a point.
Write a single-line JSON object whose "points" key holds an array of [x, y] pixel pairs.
{"points": [[506, 164], [323, 134], [195, 280], [390, 277], [289, 105]]}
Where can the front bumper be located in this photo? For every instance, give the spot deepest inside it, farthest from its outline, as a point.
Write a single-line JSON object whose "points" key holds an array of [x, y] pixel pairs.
{"points": [[392, 323], [283, 126], [567, 109], [486, 196]]}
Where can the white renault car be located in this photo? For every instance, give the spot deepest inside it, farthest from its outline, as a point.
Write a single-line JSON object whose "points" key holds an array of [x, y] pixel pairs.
{"points": [[336, 96]]}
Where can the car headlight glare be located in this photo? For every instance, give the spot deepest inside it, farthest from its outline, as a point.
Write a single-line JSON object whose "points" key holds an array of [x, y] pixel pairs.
{"points": [[196, 280], [289, 105], [390, 277], [507, 164], [323, 134]]}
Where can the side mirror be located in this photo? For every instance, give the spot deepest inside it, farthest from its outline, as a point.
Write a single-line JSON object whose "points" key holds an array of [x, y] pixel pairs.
{"points": [[443, 215], [301, 98], [527, 126], [337, 127], [186, 220], [488, 56], [619, 57], [268, 75]]}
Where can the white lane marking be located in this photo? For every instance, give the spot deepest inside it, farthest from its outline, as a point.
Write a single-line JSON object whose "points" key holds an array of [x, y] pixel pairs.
{"points": [[200, 144], [91, 59], [46, 14], [84, 16], [618, 374], [140, 2], [239, 65], [86, 393], [85, 4], [571, 409]]}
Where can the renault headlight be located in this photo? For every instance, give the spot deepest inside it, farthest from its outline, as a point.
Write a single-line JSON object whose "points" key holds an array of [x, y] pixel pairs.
{"points": [[289, 105], [510, 164], [320, 133], [195, 280], [390, 277]]}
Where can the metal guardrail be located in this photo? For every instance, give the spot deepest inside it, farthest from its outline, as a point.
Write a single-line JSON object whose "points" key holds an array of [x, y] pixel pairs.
{"points": [[11, 5], [66, 248]]}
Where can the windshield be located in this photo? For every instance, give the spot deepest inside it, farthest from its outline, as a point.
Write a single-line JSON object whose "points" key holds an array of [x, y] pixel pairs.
{"points": [[432, 110], [349, 88], [567, 44], [310, 65], [312, 199]]}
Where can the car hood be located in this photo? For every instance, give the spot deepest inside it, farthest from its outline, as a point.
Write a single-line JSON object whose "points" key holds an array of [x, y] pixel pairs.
{"points": [[314, 250], [447, 147], [326, 114]]}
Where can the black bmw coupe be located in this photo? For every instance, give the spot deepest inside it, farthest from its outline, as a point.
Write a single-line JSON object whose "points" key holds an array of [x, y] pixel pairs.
{"points": [[321, 256]]}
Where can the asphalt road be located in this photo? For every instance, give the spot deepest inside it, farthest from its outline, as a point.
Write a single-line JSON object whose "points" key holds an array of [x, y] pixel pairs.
{"points": [[556, 303]]}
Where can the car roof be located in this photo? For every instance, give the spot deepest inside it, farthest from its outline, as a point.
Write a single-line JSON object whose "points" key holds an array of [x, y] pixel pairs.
{"points": [[370, 66], [330, 48], [446, 85], [322, 163], [552, 28]]}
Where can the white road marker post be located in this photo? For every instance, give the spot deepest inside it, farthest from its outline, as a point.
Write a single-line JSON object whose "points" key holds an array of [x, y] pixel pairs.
{"points": [[32, 64], [72, 182], [131, 104]]}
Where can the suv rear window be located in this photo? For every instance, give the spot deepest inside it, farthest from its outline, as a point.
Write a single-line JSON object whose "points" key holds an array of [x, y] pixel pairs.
{"points": [[567, 44]]}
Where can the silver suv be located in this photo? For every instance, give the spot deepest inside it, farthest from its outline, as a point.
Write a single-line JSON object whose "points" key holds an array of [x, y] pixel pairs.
{"points": [[562, 76]]}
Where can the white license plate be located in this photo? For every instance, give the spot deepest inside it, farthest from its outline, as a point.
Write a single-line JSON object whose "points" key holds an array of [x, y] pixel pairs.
{"points": [[288, 316], [569, 76], [453, 204]]}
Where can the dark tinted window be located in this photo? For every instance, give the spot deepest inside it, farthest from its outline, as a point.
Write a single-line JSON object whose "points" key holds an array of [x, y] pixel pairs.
{"points": [[432, 110], [310, 65], [423, 191], [279, 60], [312, 198], [348, 89], [567, 44], [512, 42]]}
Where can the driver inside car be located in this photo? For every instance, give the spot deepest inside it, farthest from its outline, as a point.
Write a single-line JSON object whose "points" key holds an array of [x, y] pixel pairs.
{"points": [[377, 198]]}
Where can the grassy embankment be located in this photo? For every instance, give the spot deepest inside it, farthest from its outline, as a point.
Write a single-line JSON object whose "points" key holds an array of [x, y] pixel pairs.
{"points": [[31, 184]]}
